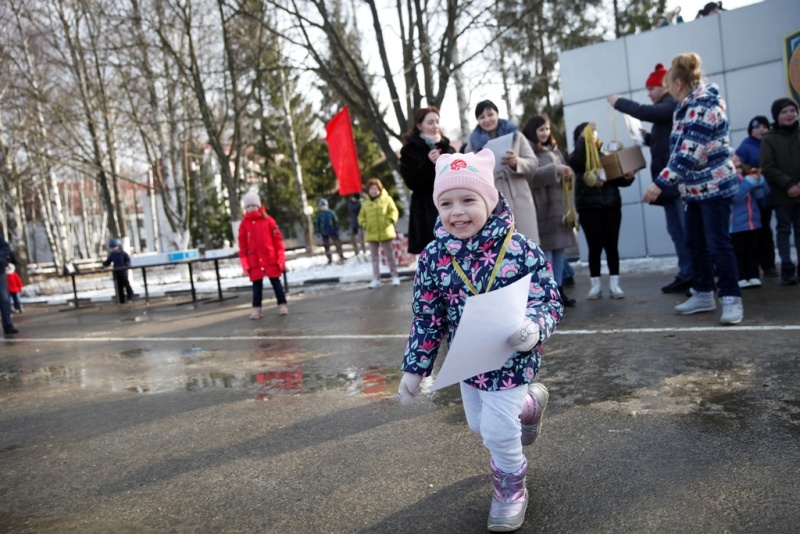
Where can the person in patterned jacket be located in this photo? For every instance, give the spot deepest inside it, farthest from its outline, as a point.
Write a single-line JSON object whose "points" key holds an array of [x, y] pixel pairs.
{"points": [[476, 250], [701, 166]]}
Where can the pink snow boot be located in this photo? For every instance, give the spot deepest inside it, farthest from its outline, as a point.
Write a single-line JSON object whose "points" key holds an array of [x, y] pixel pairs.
{"points": [[533, 412], [509, 500]]}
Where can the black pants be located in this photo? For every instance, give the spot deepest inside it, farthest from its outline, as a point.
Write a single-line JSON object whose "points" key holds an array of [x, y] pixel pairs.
{"points": [[746, 246], [124, 288], [766, 242], [601, 228], [258, 291]]}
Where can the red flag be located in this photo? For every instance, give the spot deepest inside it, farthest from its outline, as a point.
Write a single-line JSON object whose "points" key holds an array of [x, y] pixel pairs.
{"points": [[342, 150]]}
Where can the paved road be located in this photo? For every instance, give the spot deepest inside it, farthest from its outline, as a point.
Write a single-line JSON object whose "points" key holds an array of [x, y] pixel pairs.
{"points": [[168, 418]]}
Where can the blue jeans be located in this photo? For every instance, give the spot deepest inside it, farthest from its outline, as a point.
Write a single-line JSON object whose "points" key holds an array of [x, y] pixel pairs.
{"points": [[709, 244], [15, 301], [676, 228], [569, 272], [258, 291], [557, 259], [788, 217]]}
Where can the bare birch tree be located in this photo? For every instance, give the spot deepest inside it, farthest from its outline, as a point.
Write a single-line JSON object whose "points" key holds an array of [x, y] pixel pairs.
{"points": [[47, 183]]}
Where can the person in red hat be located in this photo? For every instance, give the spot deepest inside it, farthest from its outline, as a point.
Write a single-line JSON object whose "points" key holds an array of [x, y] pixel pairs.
{"points": [[660, 114]]}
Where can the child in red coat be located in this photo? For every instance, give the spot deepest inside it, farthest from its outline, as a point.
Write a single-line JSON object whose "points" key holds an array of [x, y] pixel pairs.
{"points": [[261, 252], [14, 287]]}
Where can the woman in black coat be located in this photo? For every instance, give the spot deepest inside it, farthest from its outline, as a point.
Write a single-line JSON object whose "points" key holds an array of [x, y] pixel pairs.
{"points": [[423, 145], [600, 216]]}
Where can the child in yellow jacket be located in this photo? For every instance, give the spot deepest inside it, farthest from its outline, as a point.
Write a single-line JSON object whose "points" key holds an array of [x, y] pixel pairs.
{"points": [[377, 217]]}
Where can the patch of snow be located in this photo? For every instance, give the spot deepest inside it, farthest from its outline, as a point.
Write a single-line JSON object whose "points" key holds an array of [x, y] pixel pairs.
{"points": [[299, 270]]}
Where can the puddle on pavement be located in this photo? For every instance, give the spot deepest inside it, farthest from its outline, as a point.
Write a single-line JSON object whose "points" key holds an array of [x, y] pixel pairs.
{"points": [[278, 369], [151, 371]]}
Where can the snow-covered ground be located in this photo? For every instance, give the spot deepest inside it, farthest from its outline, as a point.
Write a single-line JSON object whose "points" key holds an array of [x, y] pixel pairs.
{"points": [[301, 270]]}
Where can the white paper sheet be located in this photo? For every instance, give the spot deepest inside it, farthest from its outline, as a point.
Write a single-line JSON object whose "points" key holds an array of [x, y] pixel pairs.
{"points": [[481, 342], [634, 128], [499, 146]]}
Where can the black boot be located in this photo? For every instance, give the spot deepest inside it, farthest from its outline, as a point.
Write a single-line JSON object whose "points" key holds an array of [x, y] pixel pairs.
{"points": [[568, 302], [8, 330]]}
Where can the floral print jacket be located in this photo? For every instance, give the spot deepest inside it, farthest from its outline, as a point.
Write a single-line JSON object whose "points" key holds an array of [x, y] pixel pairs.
{"points": [[440, 295]]}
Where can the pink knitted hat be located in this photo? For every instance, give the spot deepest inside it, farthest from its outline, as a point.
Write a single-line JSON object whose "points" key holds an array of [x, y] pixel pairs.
{"points": [[474, 172]]}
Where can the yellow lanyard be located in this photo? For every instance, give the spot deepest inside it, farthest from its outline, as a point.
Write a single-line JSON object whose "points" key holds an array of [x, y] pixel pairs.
{"points": [[463, 275]]}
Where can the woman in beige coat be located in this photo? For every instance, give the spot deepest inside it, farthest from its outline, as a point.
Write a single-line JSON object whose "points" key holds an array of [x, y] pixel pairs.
{"points": [[547, 186], [516, 167]]}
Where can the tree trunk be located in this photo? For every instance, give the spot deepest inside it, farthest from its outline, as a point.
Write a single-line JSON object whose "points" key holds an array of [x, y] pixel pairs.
{"points": [[297, 169]]}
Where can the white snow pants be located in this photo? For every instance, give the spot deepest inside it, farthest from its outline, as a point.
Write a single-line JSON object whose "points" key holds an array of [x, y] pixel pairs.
{"points": [[494, 415]]}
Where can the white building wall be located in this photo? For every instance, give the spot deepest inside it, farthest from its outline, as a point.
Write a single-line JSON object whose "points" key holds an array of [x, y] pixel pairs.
{"points": [[742, 52]]}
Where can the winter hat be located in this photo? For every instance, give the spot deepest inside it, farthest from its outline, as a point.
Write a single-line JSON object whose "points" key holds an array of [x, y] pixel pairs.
{"points": [[322, 202], [755, 121], [114, 243], [778, 106], [10, 267], [656, 78], [251, 198], [474, 172]]}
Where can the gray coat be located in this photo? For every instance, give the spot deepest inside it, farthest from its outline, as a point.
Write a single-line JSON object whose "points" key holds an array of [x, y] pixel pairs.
{"points": [[548, 197], [514, 186]]}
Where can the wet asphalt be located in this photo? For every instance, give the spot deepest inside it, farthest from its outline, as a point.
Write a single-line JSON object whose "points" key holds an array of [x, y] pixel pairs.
{"points": [[170, 417]]}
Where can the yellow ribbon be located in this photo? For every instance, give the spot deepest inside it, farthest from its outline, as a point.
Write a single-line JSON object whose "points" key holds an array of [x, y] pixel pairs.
{"points": [[500, 256], [592, 154]]}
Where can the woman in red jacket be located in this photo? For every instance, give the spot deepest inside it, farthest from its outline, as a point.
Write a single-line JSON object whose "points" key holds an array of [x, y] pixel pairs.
{"points": [[261, 252]]}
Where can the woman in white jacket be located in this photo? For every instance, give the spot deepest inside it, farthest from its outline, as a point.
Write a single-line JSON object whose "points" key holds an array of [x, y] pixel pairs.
{"points": [[517, 166]]}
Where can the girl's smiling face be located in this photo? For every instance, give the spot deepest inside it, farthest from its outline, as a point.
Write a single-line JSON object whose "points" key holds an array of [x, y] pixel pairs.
{"points": [[543, 133], [463, 212]]}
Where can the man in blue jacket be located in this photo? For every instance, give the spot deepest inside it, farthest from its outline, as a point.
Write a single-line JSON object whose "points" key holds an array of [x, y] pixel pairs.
{"points": [[660, 114]]}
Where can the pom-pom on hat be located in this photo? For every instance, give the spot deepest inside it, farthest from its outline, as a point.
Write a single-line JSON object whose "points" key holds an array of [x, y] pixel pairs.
{"points": [[251, 198], [755, 121], [474, 172], [778, 106], [656, 78]]}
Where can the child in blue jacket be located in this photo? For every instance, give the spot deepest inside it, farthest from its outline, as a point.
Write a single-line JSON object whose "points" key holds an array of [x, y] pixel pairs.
{"points": [[327, 226], [746, 222], [122, 264], [476, 250]]}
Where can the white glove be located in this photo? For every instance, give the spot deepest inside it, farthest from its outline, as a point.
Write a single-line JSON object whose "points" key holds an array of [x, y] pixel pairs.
{"points": [[526, 336], [409, 387]]}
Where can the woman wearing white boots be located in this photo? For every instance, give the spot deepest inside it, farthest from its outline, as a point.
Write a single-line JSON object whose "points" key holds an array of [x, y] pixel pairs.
{"points": [[599, 209]]}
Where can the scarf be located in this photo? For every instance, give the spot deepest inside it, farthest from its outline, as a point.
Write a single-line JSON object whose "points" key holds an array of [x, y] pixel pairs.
{"points": [[479, 137]]}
